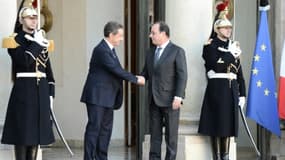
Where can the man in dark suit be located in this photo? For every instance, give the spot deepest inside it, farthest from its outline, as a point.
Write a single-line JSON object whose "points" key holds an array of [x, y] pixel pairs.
{"points": [[166, 71], [103, 92]]}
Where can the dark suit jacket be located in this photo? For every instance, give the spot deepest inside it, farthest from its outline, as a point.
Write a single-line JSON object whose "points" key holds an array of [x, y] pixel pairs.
{"points": [[104, 84], [169, 77]]}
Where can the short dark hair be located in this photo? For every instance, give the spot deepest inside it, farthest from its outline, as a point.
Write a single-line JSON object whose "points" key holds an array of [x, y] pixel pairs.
{"points": [[163, 27], [112, 27]]}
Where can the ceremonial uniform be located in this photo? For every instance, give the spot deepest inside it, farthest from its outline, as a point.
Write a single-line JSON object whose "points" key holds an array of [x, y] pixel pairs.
{"points": [[28, 113], [225, 91], [219, 115]]}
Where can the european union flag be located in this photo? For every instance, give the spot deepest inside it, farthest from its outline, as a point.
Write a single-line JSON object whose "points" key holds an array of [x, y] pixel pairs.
{"points": [[262, 97]]}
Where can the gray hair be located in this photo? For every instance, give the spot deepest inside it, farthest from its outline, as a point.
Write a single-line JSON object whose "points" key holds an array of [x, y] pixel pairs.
{"points": [[112, 27]]}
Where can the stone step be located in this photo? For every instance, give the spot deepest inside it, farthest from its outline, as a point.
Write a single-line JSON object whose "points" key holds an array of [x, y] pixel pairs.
{"points": [[190, 147], [7, 152], [278, 146], [146, 148]]}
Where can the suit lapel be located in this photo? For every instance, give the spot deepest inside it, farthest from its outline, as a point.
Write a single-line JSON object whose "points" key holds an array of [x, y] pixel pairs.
{"points": [[151, 59], [105, 45]]}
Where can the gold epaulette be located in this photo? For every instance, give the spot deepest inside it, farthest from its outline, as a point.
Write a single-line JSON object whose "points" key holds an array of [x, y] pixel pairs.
{"points": [[10, 42], [209, 41], [51, 46]]}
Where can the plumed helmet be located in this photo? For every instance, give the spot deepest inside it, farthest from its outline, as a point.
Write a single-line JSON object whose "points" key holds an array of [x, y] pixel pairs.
{"points": [[222, 23], [27, 12]]}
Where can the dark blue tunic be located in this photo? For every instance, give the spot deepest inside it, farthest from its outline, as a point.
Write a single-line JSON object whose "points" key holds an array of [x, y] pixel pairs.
{"points": [[219, 114]]}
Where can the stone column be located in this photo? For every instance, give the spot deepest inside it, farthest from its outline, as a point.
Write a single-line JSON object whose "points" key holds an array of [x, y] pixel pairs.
{"points": [[190, 26], [8, 16], [277, 144], [279, 27]]}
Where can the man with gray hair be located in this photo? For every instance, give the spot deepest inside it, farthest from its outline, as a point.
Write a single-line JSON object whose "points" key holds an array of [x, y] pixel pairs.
{"points": [[103, 92]]}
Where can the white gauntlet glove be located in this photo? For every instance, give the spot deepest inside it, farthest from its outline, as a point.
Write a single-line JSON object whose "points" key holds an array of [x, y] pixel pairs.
{"points": [[210, 73], [39, 38], [234, 49], [241, 102]]}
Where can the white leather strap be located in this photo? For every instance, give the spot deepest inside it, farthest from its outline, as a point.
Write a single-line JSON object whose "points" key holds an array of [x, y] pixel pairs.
{"points": [[31, 74], [223, 75]]}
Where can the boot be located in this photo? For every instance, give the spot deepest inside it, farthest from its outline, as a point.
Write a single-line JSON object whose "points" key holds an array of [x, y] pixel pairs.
{"points": [[225, 156], [216, 143], [32, 152], [20, 152], [225, 148]]}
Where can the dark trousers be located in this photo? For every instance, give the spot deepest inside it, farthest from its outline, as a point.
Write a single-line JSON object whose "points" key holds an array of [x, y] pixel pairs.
{"points": [[159, 117], [26, 152], [98, 132]]}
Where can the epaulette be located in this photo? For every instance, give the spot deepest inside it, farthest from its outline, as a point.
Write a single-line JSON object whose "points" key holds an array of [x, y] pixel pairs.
{"points": [[10, 42], [209, 41]]}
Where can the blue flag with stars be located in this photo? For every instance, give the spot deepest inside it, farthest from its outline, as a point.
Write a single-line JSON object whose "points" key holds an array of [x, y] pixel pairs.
{"points": [[262, 97]]}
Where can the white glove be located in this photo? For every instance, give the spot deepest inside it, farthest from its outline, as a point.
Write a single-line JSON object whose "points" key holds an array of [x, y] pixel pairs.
{"points": [[241, 102], [38, 38], [234, 49], [210, 73]]}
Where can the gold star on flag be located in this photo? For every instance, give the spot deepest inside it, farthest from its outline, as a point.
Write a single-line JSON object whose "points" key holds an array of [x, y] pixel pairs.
{"points": [[256, 57], [259, 83], [254, 71], [266, 92], [263, 47]]}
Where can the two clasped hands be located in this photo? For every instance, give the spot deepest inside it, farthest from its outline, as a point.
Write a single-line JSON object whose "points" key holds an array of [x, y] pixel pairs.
{"points": [[176, 101], [141, 80]]}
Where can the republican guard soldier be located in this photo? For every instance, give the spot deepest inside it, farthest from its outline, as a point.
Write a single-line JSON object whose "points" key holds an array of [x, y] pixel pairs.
{"points": [[28, 123], [225, 89]]}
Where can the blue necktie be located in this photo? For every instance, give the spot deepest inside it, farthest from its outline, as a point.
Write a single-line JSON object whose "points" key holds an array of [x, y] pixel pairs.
{"points": [[156, 55], [114, 53]]}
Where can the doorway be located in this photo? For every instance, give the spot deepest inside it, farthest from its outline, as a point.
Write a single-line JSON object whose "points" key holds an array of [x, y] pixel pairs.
{"points": [[138, 16]]}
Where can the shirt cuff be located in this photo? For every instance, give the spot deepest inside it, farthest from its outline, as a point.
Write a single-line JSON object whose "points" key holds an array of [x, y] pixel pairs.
{"points": [[178, 98]]}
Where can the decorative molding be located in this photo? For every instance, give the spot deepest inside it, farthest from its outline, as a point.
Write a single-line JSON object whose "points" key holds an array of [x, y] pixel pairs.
{"points": [[48, 18]]}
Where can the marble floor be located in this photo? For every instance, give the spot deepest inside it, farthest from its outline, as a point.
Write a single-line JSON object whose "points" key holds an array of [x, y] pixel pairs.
{"points": [[115, 153], [120, 153]]}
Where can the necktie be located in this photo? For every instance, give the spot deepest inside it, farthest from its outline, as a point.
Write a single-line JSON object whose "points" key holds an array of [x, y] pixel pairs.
{"points": [[114, 53], [156, 55]]}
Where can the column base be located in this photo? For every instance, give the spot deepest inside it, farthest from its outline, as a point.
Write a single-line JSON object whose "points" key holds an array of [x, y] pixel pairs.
{"points": [[199, 147]]}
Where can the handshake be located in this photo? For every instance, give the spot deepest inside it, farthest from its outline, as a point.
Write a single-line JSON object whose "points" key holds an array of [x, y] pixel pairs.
{"points": [[141, 80], [39, 38]]}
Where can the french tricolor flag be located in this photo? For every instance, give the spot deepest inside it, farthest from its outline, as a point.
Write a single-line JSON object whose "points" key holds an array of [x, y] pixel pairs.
{"points": [[281, 98]]}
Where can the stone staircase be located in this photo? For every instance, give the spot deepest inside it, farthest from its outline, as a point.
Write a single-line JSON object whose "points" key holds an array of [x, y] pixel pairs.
{"points": [[191, 146]]}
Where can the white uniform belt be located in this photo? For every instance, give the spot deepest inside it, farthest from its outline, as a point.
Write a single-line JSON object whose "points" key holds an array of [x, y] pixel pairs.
{"points": [[31, 74], [223, 75]]}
